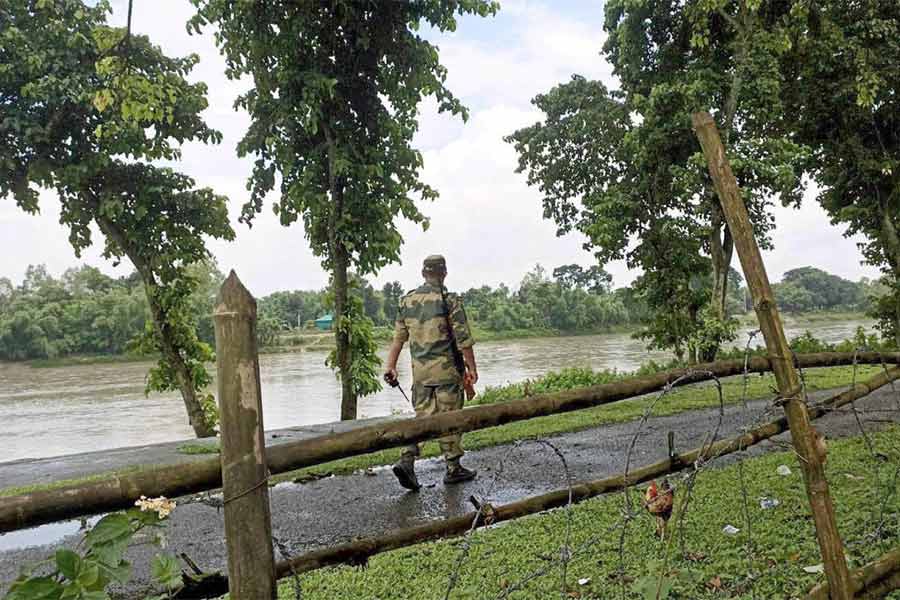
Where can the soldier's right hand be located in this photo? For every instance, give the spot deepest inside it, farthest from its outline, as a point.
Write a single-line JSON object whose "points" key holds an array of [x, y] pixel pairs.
{"points": [[390, 377]]}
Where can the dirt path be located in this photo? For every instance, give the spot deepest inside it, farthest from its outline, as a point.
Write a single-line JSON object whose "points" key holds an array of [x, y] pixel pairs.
{"points": [[338, 509]]}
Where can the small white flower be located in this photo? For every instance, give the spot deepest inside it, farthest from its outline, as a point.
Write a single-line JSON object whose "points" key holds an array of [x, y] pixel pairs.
{"points": [[161, 506]]}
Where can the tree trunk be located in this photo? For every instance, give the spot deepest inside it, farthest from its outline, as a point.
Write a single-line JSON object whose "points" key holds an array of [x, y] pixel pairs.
{"points": [[196, 415], [721, 250], [341, 338], [169, 348], [891, 243], [340, 263]]}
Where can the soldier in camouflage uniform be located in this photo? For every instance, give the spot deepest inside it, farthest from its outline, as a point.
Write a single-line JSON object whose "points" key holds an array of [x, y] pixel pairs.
{"points": [[438, 383]]}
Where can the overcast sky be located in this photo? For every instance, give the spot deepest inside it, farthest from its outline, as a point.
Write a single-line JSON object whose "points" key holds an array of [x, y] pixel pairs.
{"points": [[487, 221]]}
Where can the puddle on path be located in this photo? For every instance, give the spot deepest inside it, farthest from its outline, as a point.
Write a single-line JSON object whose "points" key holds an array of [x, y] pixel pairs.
{"points": [[44, 535]]}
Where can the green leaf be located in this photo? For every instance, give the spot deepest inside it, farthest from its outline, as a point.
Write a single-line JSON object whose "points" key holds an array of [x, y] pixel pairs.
{"points": [[89, 576], [38, 588], [120, 573], [68, 563], [166, 570], [109, 528]]}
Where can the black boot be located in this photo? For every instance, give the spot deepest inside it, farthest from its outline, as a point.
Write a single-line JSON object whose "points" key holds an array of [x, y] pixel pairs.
{"points": [[456, 473], [405, 471]]}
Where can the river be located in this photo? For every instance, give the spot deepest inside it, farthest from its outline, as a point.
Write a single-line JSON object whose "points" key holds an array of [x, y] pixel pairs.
{"points": [[64, 410]]}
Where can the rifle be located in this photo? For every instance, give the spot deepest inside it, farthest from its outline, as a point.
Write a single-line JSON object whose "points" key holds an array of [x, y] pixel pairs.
{"points": [[458, 359]]}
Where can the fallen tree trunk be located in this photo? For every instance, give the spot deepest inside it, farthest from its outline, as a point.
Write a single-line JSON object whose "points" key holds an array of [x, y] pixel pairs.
{"points": [[874, 580], [120, 491], [359, 551]]}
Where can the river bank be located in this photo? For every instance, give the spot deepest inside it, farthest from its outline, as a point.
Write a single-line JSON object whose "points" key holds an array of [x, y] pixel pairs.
{"points": [[323, 341], [64, 410]]}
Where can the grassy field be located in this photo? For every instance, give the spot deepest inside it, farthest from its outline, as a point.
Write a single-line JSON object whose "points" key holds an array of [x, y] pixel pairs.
{"points": [[698, 560]]}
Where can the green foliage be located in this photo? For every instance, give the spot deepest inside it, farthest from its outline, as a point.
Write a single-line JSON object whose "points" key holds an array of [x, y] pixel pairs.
{"points": [[89, 109], [566, 379], [292, 308], [844, 102], [577, 300], [705, 341], [71, 575], [886, 309], [623, 166], [85, 312], [391, 293], [333, 111], [363, 349]]}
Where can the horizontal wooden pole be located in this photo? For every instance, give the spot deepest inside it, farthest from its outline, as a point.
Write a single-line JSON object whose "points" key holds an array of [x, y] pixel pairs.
{"points": [[873, 580], [359, 551], [120, 491]]}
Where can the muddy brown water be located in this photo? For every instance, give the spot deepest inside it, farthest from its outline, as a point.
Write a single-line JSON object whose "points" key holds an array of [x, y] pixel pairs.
{"points": [[54, 411]]}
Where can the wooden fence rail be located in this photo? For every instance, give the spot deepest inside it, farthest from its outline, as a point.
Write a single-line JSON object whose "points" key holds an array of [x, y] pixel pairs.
{"points": [[121, 490], [358, 551]]}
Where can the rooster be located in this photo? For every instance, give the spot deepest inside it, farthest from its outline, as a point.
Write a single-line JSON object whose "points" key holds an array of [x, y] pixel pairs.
{"points": [[658, 501]]}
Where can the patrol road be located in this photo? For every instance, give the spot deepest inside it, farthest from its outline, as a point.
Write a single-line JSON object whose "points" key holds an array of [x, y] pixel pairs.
{"points": [[334, 510], [65, 410]]}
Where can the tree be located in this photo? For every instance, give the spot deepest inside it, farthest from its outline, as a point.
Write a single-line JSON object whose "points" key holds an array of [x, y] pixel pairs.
{"points": [[392, 292], [373, 301], [79, 97], [623, 166], [845, 104], [594, 279], [826, 290], [333, 111], [792, 297]]}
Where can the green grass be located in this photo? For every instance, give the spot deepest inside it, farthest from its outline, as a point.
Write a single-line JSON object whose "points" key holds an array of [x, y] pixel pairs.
{"points": [[198, 448], [783, 540], [679, 400], [799, 319], [88, 359]]}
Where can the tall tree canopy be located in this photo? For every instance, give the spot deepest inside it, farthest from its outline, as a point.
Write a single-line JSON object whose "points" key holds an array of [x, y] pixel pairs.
{"points": [[845, 104], [623, 167], [334, 108], [87, 109]]}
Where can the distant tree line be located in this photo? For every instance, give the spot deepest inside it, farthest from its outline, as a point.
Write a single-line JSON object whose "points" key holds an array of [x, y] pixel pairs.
{"points": [[85, 311]]}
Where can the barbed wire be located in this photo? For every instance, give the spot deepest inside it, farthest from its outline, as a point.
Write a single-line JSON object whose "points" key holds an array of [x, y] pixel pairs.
{"points": [[682, 484]]}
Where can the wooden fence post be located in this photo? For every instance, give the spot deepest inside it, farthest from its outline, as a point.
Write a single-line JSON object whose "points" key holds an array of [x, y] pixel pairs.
{"points": [[248, 524], [804, 436]]}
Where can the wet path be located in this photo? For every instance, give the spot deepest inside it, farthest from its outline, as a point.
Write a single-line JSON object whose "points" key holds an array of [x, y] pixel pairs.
{"points": [[338, 509]]}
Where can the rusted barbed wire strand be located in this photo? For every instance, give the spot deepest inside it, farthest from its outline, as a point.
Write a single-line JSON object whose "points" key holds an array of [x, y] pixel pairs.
{"points": [[565, 551], [480, 507], [479, 514], [628, 513], [295, 576]]}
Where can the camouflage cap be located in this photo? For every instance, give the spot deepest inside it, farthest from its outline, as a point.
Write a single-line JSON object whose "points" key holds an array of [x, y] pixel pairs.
{"points": [[434, 264]]}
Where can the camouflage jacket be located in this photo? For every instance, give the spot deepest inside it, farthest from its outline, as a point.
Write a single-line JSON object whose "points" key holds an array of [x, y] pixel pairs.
{"points": [[422, 320]]}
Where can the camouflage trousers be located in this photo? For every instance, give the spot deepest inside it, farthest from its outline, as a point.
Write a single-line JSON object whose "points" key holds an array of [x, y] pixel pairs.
{"points": [[431, 400]]}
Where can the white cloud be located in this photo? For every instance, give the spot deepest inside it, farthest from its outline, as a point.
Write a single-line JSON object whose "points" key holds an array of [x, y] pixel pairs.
{"points": [[487, 221]]}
